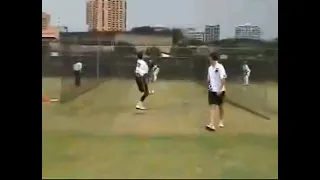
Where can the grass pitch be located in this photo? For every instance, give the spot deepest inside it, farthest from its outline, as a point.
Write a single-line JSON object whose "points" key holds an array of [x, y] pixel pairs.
{"points": [[101, 135]]}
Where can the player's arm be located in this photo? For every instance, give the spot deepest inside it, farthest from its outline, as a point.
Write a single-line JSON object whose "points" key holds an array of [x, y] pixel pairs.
{"points": [[81, 66], [223, 76]]}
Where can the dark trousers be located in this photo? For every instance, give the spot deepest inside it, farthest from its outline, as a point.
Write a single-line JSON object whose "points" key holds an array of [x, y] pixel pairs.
{"points": [[77, 78], [142, 86]]}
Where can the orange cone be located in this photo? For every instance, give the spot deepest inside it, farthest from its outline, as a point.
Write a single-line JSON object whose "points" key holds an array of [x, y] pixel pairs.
{"points": [[45, 99]]}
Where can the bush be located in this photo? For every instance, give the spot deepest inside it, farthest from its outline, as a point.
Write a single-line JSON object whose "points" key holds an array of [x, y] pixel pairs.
{"points": [[153, 51]]}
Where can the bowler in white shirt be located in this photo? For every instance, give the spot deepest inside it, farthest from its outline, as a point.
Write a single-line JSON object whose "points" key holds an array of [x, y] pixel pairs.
{"points": [[77, 68], [141, 77], [216, 91]]}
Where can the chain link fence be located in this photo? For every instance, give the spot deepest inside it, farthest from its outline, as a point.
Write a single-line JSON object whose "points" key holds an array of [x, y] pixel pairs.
{"points": [[106, 60]]}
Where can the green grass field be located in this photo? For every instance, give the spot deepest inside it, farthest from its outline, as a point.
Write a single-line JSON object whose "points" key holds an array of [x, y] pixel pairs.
{"points": [[101, 135]]}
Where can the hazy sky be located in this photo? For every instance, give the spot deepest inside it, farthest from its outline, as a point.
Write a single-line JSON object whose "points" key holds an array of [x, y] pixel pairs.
{"points": [[179, 13]]}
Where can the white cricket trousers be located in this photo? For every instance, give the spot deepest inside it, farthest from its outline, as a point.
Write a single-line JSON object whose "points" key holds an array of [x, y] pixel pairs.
{"points": [[246, 79]]}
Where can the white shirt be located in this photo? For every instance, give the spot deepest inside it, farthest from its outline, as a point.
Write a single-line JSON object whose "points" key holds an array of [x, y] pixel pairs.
{"points": [[215, 75], [142, 67], [246, 69], [156, 70], [77, 66]]}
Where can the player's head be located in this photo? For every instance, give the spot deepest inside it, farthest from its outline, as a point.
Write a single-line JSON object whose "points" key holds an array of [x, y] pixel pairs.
{"points": [[213, 57], [244, 62], [140, 55]]}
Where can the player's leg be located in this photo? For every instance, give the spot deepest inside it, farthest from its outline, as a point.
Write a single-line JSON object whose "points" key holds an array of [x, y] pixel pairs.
{"points": [[144, 85], [77, 78], [221, 109], [213, 109], [145, 89], [139, 83], [246, 79]]}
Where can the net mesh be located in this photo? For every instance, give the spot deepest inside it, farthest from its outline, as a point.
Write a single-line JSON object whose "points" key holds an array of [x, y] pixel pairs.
{"points": [[103, 60]]}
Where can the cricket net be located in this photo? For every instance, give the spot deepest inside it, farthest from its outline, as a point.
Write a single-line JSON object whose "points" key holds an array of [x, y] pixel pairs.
{"points": [[106, 60]]}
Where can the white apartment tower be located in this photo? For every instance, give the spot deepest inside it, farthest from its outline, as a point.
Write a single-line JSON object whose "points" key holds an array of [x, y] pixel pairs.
{"points": [[248, 31]]}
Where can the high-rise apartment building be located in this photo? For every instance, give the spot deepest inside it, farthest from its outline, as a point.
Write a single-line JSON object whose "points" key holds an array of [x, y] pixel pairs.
{"points": [[45, 20], [106, 15], [247, 31], [48, 31], [212, 33]]}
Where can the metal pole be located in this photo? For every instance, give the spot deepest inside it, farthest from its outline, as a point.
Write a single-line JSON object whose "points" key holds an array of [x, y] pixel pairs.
{"points": [[98, 58]]}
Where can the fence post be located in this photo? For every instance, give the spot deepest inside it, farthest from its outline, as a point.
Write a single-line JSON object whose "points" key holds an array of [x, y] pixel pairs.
{"points": [[266, 104], [98, 58]]}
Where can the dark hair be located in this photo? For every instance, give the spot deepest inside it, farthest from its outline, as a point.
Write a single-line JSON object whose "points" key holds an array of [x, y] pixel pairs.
{"points": [[140, 55], [214, 56]]}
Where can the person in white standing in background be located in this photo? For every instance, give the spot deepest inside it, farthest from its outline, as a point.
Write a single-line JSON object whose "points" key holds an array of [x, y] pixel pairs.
{"points": [[216, 91], [77, 68], [246, 73], [155, 69]]}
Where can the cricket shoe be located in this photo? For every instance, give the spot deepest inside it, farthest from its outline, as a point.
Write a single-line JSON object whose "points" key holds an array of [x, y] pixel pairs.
{"points": [[140, 106], [210, 127], [221, 125]]}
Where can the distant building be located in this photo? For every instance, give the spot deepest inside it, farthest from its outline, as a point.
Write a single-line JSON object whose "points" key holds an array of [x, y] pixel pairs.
{"points": [[195, 35], [106, 15], [192, 33], [212, 33], [247, 31], [47, 30], [45, 20]]}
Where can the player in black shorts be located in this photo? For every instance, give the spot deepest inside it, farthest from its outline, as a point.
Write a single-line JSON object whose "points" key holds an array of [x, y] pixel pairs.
{"points": [[216, 91], [141, 76]]}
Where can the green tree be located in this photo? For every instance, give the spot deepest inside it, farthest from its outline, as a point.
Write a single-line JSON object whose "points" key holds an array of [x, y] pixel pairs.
{"points": [[177, 36], [153, 51]]}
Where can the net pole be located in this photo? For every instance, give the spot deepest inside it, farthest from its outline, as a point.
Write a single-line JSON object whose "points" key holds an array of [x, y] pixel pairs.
{"points": [[98, 59]]}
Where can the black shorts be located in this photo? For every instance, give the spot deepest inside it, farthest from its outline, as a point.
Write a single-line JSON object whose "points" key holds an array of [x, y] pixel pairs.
{"points": [[215, 99], [142, 83]]}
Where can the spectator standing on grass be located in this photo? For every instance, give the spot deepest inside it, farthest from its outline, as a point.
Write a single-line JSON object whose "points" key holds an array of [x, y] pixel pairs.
{"points": [[77, 68], [246, 73], [216, 91], [154, 71]]}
